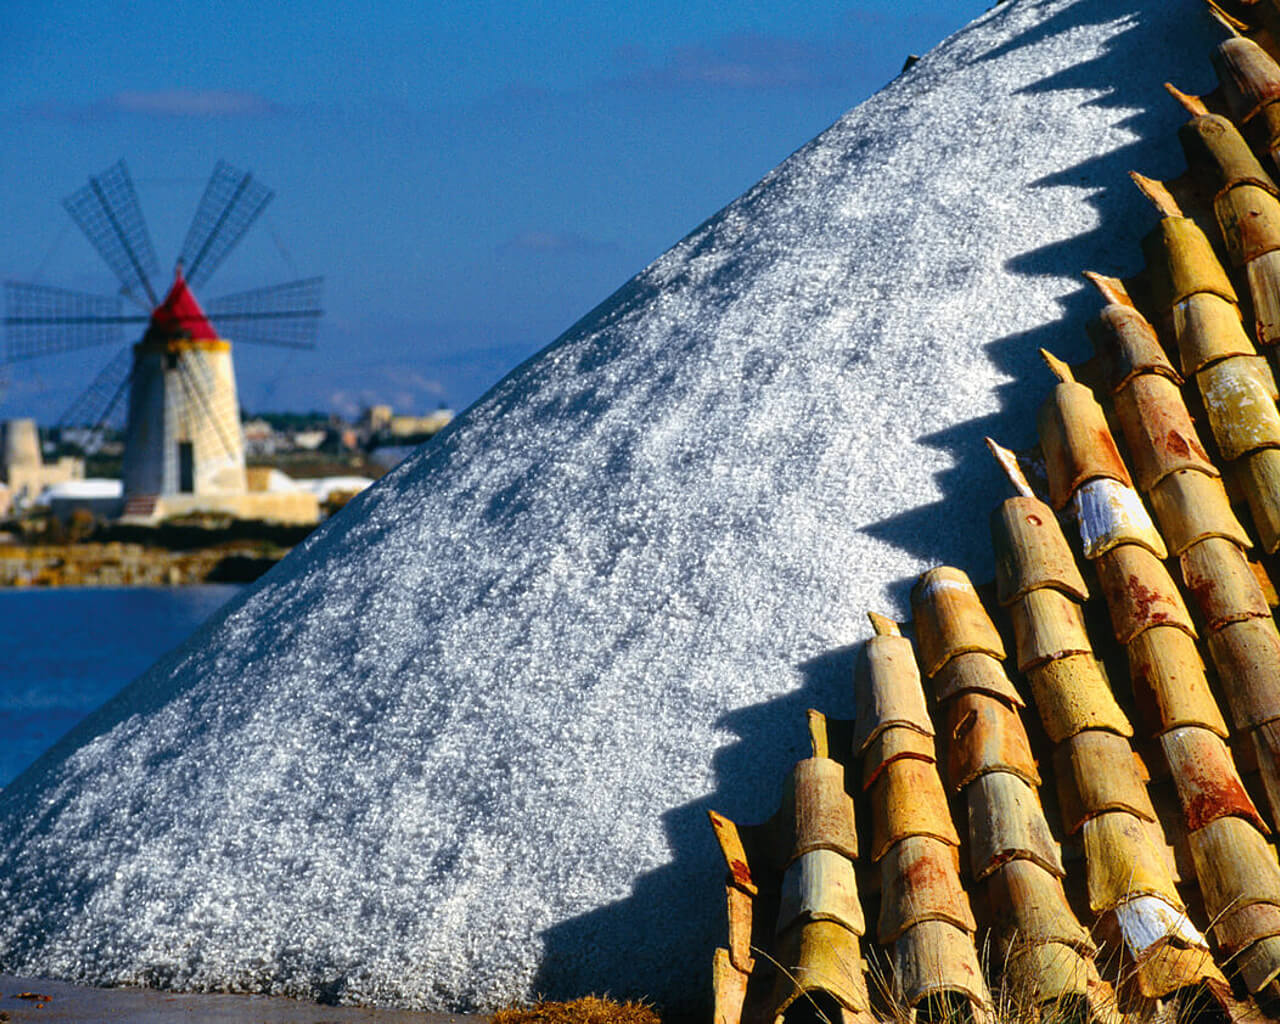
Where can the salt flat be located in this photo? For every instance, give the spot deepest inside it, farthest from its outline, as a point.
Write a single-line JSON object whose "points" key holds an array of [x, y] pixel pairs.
{"points": [[459, 747]]}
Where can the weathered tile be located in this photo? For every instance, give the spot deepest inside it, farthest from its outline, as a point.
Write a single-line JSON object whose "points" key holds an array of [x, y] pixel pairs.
{"points": [[1047, 626], [1122, 862], [936, 957], [1158, 431], [1139, 593], [974, 673], [1218, 155], [1006, 822], [908, 800], [1076, 442], [985, 734], [1097, 771], [1249, 76], [1071, 694], [950, 619], [1222, 584], [1032, 552], [1209, 786], [1208, 328], [1109, 513], [1026, 905], [820, 886], [1191, 507], [1128, 344], [1169, 684], [1259, 478], [1247, 657], [888, 690], [1241, 412], [1181, 262], [919, 881], [892, 744], [1235, 864]]}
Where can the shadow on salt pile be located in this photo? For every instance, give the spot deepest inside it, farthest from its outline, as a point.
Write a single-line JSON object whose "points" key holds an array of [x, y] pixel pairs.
{"points": [[972, 484], [750, 773]]}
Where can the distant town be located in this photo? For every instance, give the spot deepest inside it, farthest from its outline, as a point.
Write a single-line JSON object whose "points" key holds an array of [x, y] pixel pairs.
{"points": [[67, 519]]}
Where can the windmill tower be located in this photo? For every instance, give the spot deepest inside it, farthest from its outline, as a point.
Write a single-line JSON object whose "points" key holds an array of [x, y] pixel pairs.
{"points": [[183, 428], [184, 450]]}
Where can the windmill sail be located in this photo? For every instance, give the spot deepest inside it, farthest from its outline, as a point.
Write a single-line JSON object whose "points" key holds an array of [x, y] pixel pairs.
{"points": [[285, 314], [42, 321], [232, 201], [96, 404], [107, 211]]}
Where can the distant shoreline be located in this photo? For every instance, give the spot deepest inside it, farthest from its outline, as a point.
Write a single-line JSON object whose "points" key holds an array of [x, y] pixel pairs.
{"points": [[69, 1002]]}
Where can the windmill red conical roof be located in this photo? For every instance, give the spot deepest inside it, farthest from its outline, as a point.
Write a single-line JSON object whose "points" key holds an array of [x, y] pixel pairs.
{"points": [[180, 313]]}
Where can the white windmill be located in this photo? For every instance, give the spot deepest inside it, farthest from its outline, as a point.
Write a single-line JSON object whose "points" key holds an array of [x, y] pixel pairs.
{"points": [[184, 449]]}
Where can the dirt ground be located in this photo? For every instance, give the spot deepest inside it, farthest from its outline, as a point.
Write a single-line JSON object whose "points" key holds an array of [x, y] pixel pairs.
{"points": [[83, 1005]]}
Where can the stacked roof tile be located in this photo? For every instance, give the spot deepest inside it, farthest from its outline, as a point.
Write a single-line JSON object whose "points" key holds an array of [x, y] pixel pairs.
{"points": [[1104, 894]]}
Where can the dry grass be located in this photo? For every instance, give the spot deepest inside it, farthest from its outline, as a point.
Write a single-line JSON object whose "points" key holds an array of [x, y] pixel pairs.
{"points": [[587, 1010]]}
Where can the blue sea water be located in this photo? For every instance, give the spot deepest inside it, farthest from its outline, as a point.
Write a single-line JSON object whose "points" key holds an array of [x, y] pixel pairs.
{"points": [[63, 652]]}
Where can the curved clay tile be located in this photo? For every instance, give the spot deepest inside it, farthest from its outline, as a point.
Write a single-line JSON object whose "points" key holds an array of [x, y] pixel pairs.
{"points": [[888, 691], [935, 958], [1222, 584], [975, 672], [950, 619], [1077, 445], [1110, 513], [803, 859], [1098, 771], [984, 734], [1128, 344], [1241, 411], [1072, 694], [1047, 626], [1140, 593], [1169, 685], [1181, 263], [1158, 431], [1218, 155], [1247, 654], [1260, 480], [1209, 786], [890, 745], [1250, 78], [1031, 552], [1192, 507], [908, 800], [1006, 822], [1207, 329], [919, 882], [1123, 862]]}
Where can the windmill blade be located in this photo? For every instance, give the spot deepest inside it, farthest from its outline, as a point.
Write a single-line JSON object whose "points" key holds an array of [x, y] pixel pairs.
{"points": [[41, 321], [232, 201], [197, 379], [94, 406], [108, 213], [287, 315]]}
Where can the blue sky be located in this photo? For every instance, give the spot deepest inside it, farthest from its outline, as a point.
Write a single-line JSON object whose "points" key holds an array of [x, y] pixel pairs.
{"points": [[470, 178]]}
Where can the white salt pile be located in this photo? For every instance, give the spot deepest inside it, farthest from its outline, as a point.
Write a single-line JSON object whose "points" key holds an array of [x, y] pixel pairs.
{"points": [[458, 749]]}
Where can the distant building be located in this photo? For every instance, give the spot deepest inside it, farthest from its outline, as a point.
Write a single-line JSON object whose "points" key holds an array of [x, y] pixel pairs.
{"points": [[24, 475], [419, 426], [103, 499], [260, 438], [376, 418], [381, 424], [308, 440]]}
